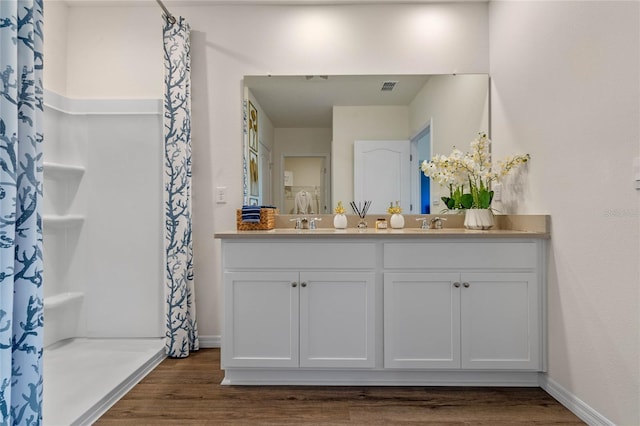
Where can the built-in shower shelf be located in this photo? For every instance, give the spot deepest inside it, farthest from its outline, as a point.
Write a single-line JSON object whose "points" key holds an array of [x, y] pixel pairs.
{"points": [[62, 171], [60, 222], [62, 299]]}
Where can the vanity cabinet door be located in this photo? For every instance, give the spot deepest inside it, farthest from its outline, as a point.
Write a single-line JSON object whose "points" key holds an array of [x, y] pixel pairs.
{"points": [[337, 319], [421, 320], [483, 321], [500, 321], [291, 319], [261, 319]]}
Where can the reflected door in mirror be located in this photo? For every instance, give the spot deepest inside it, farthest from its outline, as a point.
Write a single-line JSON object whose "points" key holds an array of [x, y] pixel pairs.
{"points": [[381, 174]]}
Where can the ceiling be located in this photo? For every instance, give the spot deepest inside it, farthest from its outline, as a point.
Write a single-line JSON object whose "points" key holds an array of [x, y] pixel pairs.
{"points": [[307, 101]]}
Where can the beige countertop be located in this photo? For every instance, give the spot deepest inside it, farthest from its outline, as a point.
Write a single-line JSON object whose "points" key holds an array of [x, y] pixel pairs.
{"points": [[506, 226]]}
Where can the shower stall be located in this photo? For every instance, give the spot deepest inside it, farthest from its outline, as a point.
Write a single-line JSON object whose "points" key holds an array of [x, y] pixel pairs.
{"points": [[103, 252]]}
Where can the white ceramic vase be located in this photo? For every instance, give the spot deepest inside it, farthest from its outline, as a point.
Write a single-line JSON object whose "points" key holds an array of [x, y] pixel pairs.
{"points": [[340, 221], [478, 219], [397, 221]]}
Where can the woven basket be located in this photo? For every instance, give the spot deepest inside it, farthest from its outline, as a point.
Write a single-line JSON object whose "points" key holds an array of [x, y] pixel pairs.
{"points": [[267, 221]]}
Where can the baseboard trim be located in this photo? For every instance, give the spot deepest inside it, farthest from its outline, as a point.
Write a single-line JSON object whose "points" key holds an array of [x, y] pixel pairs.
{"points": [[210, 341], [101, 407], [573, 403]]}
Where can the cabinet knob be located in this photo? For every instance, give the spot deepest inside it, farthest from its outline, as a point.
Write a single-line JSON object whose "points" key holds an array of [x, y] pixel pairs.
{"points": [[466, 285], [303, 284], [294, 284], [456, 284]]}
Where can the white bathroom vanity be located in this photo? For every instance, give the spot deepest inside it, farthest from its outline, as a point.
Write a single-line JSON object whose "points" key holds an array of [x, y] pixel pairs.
{"points": [[385, 307]]}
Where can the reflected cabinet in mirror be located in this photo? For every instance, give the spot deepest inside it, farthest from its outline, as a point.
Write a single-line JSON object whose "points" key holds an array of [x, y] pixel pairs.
{"points": [[311, 141]]}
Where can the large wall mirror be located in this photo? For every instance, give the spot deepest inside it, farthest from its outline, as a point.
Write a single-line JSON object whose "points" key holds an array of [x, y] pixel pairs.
{"points": [[311, 141]]}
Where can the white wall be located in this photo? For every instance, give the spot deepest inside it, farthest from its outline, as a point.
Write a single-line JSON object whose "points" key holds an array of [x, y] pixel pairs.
{"points": [[566, 89], [114, 53], [55, 46]]}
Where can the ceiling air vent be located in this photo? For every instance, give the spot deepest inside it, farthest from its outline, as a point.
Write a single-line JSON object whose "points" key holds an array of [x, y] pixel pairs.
{"points": [[388, 86]]}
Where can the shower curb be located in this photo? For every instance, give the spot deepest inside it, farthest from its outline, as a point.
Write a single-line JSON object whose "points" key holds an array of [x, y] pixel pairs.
{"points": [[99, 408]]}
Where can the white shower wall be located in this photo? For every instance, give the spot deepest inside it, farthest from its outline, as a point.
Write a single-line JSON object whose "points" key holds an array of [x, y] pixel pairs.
{"points": [[125, 225], [102, 227]]}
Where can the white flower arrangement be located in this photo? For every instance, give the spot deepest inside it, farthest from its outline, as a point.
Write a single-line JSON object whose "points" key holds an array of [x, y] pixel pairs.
{"points": [[469, 175]]}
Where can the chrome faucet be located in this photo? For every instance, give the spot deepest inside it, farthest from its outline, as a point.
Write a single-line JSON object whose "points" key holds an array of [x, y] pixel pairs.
{"points": [[300, 222], [312, 222], [436, 223]]}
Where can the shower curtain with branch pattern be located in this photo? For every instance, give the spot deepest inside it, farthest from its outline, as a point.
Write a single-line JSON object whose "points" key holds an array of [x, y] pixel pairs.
{"points": [[181, 334], [21, 138]]}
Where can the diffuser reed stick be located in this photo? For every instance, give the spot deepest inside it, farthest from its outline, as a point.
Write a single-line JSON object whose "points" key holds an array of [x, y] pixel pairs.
{"points": [[361, 211]]}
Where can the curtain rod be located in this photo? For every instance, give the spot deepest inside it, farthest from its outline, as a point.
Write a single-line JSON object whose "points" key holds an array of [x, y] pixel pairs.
{"points": [[168, 14]]}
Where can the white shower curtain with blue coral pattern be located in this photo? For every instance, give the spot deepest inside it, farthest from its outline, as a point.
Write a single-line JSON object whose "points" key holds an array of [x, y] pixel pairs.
{"points": [[181, 333], [21, 138]]}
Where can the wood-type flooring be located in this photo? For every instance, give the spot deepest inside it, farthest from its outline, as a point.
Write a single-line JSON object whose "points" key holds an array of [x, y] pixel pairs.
{"points": [[188, 392]]}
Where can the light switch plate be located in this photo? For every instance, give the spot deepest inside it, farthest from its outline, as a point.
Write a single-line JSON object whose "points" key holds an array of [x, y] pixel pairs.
{"points": [[497, 192], [221, 194]]}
